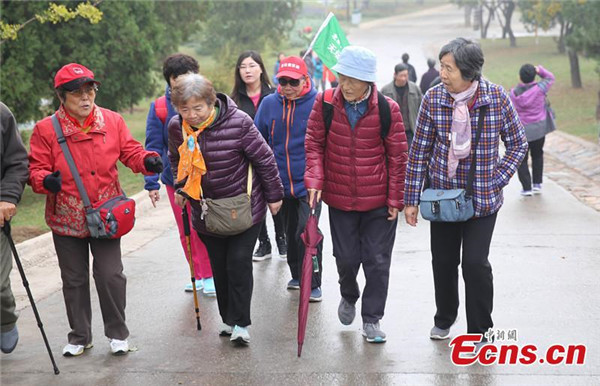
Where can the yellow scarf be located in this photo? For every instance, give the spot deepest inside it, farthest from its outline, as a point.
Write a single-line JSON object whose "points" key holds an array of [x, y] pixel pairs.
{"points": [[191, 161]]}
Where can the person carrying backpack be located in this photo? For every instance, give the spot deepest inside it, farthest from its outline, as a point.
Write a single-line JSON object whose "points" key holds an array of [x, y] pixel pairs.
{"points": [[160, 113], [281, 118], [358, 167]]}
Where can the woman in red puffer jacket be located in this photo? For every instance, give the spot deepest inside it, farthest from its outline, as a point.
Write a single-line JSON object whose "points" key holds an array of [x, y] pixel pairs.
{"points": [[97, 138], [361, 177]]}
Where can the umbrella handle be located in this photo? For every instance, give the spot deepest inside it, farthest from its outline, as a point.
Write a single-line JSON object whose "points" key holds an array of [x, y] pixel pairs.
{"points": [[313, 204]]}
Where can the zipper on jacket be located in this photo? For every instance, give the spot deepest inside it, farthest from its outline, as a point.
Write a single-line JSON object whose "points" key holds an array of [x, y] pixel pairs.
{"points": [[287, 141], [353, 158], [272, 138]]}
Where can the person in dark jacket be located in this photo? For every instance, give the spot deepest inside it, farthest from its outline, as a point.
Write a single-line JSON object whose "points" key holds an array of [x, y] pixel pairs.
{"points": [[412, 74], [429, 76], [210, 152], [282, 119], [97, 138], [529, 99], [157, 140], [250, 88], [361, 176], [408, 96], [14, 174]]}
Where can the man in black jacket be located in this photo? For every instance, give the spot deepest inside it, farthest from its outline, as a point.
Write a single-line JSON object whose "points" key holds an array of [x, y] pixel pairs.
{"points": [[15, 172], [412, 74]]}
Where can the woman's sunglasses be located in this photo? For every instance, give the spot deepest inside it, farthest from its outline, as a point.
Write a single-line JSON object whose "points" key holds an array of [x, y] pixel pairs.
{"points": [[292, 82]]}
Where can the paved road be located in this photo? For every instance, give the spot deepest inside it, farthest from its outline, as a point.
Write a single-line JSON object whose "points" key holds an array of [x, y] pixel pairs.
{"points": [[545, 259]]}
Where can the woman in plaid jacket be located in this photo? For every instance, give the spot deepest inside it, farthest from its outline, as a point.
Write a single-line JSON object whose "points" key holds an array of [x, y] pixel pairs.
{"points": [[442, 152]]}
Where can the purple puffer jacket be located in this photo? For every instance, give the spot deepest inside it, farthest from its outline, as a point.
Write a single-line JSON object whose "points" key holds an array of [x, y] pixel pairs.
{"points": [[227, 146], [530, 98]]}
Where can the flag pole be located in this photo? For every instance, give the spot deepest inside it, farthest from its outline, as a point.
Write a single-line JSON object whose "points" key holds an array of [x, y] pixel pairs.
{"points": [[318, 33]]}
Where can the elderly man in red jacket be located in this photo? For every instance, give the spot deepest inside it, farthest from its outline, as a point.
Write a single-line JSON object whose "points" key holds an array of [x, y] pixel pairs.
{"points": [[359, 169]]}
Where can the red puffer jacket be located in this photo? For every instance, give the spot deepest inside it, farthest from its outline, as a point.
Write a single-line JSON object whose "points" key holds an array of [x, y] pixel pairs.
{"points": [[95, 154], [355, 168]]}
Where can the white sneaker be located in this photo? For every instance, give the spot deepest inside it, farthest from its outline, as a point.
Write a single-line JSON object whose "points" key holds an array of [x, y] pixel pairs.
{"points": [[119, 347], [240, 335], [73, 350], [225, 329]]}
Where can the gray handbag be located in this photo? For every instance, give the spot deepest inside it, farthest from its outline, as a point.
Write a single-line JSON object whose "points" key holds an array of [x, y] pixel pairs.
{"points": [[229, 216], [453, 205]]}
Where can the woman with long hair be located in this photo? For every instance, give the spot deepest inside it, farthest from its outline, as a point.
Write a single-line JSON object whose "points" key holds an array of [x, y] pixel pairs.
{"points": [[251, 86]]}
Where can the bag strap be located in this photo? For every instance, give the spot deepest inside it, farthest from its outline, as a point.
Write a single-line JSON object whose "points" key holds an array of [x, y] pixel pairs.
{"points": [[482, 112], [327, 109], [249, 179], [62, 141], [385, 114]]}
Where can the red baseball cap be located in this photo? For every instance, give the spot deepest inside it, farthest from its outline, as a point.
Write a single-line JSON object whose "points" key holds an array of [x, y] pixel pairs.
{"points": [[72, 76], [292, 67]]}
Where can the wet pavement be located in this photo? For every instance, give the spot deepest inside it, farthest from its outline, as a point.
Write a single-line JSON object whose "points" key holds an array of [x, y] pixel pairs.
{"points": [[545, 259]]}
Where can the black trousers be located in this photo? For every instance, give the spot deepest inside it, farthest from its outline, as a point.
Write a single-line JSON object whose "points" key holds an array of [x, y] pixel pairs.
{"points": [[365, 238], [263, 236], [231, 263], [536, 148], [475, 237], [295, 213]]}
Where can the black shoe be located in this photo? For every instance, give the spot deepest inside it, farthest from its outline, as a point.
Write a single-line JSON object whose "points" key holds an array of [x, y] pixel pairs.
{"points": [[282, 247], [263, 252]]}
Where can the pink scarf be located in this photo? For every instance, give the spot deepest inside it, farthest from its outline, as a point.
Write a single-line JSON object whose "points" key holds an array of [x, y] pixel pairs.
{"points": [[460, 146]]}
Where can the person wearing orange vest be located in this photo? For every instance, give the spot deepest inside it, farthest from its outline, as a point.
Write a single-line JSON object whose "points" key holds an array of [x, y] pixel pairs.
{"points": [[161, 112]]}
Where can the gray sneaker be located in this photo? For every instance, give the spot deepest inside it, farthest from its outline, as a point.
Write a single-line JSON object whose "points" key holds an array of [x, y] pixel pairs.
{"points": [[346, 312], [439, 333], [373, 333]]}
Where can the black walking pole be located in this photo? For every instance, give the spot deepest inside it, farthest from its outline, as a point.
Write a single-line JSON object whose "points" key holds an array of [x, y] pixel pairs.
{"points": [[6, 230]]}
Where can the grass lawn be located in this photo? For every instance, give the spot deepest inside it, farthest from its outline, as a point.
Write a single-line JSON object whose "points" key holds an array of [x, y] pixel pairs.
{"points": [[575, 108]]}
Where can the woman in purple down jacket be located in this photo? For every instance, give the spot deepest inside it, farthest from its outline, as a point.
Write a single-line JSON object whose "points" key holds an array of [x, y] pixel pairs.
{"points": [[223, 140], [529, 99]]}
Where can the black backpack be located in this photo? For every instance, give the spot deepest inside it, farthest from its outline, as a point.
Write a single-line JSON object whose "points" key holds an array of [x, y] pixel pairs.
{"points": [[385, 113]]}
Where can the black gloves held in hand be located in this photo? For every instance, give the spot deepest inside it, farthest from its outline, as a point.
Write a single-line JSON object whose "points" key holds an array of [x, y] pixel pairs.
{"points": [[153, 164], [53, 182]]}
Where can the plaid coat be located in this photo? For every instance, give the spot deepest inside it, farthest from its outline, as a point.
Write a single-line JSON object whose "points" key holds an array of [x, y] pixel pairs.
{"points": [[429, 151]]}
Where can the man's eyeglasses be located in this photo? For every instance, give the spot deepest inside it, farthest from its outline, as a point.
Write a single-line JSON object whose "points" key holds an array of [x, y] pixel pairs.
{"points": [[292, 82], [89, 90]]}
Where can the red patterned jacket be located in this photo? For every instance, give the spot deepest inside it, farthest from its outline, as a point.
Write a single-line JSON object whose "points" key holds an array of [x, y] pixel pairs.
{"points": [[95, 153]]}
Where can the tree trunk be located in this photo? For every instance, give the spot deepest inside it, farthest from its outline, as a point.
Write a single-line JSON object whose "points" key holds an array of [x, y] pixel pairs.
{"points": [[468, 12], [348, 10], [484, 28], [508, 14], [574, 63], [477, 18], [561, 38]]}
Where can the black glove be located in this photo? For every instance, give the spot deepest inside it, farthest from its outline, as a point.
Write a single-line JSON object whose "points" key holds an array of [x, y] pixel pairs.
{"points": [[53, 182], [153, 164]]}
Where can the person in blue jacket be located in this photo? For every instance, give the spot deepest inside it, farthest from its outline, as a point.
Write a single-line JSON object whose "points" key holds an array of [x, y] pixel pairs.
{"points": [[281, 119], [161, 112]]}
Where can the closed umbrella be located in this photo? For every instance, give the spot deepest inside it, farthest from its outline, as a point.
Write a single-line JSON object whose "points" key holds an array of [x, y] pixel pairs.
{"points": [[311, 238]]}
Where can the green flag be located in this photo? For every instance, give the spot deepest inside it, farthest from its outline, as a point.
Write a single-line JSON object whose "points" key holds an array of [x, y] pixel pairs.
{"points": [[329, 41]]}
